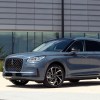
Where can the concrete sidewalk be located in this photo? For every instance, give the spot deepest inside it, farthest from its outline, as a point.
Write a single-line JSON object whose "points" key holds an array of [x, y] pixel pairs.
{"points": [[86, 86], [84, 90]]}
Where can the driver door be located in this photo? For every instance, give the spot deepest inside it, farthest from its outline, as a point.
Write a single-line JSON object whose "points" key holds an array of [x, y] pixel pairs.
{"points": [[76, 61]]}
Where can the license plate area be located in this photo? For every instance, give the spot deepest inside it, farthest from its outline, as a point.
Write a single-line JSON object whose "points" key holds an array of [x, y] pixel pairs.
{"points": [[13, 74]]}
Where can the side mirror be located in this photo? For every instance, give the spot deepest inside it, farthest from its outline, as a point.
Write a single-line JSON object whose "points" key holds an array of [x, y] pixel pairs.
{"points": [[74, 49], [72, 53]]}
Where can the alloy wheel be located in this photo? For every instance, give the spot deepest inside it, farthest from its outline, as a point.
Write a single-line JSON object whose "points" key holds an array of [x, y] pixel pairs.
{"points": [[54, 76]]}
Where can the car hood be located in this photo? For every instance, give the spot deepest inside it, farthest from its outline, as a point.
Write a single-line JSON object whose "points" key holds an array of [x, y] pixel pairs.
{"points": [[35, 54]]}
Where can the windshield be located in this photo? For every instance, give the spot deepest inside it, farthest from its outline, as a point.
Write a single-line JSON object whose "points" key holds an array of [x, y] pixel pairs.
{"points": [[54, 46]]}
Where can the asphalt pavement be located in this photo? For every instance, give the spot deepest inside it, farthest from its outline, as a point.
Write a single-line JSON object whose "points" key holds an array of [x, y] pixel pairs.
{"points": [[84, 90]]}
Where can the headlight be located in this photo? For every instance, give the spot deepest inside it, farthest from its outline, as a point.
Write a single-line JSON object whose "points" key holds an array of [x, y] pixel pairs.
{"points": [[35, 59]]}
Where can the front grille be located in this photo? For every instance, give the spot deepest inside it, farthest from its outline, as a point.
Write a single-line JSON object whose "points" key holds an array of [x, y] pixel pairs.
{"points": [[13, 64]]}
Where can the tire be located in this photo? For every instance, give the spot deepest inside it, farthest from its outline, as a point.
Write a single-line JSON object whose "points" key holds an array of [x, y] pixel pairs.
{"points": [[54, 76], [74, 81], [19, 82]]}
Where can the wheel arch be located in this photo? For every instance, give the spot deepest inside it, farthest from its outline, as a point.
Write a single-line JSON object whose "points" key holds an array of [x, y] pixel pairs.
{"points": [[59, 63]]}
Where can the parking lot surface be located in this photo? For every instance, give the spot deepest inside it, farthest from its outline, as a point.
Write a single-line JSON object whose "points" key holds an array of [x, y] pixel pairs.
{"points": [[84, 90]]}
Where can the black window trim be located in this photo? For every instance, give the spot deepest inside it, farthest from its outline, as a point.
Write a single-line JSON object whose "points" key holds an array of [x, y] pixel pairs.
{"points": [[84, 48]]}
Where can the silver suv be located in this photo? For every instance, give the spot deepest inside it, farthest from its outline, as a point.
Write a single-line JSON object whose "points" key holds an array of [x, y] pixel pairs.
{"points": [[54, 62]]}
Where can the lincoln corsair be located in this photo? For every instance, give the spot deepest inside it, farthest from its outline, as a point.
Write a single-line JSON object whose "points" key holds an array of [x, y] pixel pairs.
{"points": [[54, 62]]}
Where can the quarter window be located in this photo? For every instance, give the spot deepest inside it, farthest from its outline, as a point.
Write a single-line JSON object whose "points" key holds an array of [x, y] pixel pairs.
{"points": [[92, 46]]}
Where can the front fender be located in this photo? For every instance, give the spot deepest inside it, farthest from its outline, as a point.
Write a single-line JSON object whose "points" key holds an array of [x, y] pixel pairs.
{"points": [[62, 62]]}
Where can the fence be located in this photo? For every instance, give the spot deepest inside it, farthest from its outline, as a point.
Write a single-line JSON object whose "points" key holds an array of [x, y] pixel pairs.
{"points": [[17, 42]]}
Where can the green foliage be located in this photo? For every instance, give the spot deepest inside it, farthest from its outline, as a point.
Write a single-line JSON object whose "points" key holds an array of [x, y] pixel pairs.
{"points": [[2, 53], [1, 65], [2, 56]]}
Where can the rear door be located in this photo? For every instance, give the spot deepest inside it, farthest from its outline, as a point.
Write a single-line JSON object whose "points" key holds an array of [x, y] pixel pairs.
{"points": [[92, 55]]}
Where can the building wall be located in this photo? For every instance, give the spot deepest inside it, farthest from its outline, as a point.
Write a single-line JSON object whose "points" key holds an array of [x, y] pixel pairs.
{"points": [[25, 24], [82, 15], [34, 15], [45, 15]]}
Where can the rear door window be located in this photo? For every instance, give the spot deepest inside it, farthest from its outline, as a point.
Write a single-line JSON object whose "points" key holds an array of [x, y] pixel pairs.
{"points": [[92, 46]]}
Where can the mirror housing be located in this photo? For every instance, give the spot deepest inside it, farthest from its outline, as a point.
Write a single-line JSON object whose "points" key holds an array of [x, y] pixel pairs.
{"points": [[72, 53], [74, 50]]}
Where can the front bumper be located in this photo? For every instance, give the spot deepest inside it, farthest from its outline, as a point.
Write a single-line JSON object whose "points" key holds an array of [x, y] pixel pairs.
{"points": [[31, 72], [21, 75]]}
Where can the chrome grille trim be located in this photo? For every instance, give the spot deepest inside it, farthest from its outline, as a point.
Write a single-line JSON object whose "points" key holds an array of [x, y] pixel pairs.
{"points": [[13, 64]]}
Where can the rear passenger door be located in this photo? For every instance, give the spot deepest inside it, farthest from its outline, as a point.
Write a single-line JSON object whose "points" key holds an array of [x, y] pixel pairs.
{"points": [[92, 55]]}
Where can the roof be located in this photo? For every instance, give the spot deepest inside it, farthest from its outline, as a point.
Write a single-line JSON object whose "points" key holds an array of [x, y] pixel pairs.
{"points": [[86, 38], [60, 39], [77, 38]]}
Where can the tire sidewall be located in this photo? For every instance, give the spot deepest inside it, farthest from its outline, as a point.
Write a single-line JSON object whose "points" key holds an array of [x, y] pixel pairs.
{"points": [[45, 80]]}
